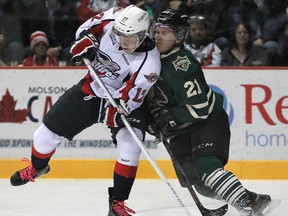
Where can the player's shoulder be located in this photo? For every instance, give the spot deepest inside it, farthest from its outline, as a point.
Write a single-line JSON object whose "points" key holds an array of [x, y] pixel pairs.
{"points": [[115, 11], [111, 13], [154, 54], [153, 58], [181, 59]]}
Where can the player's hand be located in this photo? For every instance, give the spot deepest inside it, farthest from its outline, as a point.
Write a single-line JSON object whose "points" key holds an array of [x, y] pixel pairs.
{"points": [[123, 108], [112, 116], [161, 119], [85, 47]]}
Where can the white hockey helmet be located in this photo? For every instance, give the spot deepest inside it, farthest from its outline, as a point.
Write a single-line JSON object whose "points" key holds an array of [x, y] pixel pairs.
{"points": [[133, 21]]}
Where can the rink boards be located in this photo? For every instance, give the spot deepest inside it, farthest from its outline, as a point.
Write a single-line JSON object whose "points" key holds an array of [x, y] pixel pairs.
{"points": [[81, 168], [255, 99]]}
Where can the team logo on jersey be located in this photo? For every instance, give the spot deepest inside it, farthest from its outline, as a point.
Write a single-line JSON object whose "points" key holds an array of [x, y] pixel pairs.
{"points": [[106, 67], [181, 63], [151, 78]]}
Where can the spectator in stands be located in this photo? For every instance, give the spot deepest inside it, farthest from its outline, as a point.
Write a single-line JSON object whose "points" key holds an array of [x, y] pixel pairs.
{"points": [[39, 45], [254, 13], [216, 14], [57, 18], [153, 7], [275, 35], [242, 52], [197, 41], [283, 48], [2, 41], [246, 11], [10, 29]]}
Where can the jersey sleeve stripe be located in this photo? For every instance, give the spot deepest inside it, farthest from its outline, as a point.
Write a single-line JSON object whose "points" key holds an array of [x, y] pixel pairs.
{"points": [[98, 29]]}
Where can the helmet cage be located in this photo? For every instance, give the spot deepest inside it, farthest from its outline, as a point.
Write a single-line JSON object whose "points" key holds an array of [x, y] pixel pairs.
{"points": [[140, 36]]}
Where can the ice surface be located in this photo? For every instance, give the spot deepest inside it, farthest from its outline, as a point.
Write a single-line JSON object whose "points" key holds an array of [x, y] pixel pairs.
{"points": [[78, 197]]}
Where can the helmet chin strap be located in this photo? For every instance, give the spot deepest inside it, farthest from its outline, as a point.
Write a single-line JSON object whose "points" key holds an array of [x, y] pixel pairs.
{"points": [[138, 43]]}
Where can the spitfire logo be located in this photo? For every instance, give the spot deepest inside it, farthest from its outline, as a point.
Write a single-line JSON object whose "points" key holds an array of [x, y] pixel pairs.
{"points": [[105, 67], [181, 63], [151, 78]]}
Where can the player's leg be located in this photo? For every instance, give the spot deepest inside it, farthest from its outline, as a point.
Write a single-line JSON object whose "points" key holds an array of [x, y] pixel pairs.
{"points": [[223, 182], [209, 166], [38, 165], [67, 117], [124, 171], [127, 163]]}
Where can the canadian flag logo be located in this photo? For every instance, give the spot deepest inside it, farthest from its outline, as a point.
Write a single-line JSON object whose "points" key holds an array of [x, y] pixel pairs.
{"points": [[8, 112]]}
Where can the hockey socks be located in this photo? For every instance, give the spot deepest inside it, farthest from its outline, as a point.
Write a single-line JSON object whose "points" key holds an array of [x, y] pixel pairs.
{"points": [[124, 177], [39, 160]]}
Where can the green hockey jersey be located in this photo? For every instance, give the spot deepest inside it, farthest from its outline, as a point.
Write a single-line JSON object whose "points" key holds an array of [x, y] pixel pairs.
{"points": [[182, 88]]}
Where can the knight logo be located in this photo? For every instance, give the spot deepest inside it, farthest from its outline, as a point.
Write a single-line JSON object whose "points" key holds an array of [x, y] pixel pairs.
{"points": [[152, 77], [105, 67], [8, 113], [227, 106], [181, 63]]}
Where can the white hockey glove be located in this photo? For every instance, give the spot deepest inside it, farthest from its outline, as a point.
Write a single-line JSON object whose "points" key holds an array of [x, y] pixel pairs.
{"points": [[85, 47]]}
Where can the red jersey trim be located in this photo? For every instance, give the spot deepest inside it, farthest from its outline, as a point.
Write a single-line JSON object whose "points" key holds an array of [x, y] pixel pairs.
{"points": [[125, 170], [42, 156]]}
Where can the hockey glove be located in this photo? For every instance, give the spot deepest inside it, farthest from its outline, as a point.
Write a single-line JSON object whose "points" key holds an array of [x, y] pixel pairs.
{"points": [[85, 47], [112, 116], [163, 118]]}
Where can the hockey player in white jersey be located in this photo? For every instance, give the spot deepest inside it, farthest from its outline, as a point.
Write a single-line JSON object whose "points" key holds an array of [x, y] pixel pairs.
{"points": [[125, 58]]}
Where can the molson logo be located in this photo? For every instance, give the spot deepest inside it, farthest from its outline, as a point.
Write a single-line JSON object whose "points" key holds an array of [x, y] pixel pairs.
{"points": [[8, 113]]}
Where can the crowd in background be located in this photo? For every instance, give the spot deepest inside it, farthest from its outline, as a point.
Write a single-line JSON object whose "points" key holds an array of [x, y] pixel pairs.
{"points": [[221, 33]]}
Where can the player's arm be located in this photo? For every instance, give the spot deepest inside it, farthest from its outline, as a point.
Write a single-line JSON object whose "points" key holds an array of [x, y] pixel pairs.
{"points": [[193, 102], [88, 36], [96, 24]]}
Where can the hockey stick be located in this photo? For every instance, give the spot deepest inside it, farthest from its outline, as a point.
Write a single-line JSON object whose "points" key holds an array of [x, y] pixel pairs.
{"points": [[205, 212], [135, 137]]}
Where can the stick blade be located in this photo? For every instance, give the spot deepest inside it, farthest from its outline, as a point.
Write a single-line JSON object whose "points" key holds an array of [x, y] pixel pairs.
{"points": [[215, 212]]}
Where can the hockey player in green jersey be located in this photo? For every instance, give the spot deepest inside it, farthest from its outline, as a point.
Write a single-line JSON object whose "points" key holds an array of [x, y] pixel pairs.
{"points": [[188, 112]]}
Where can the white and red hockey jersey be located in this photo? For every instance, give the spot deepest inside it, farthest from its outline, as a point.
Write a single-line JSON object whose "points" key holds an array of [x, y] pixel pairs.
{"points": [[126, 76]]}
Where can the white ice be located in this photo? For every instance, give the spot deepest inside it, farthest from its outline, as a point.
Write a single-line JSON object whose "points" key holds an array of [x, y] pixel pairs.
{"points": [[78, 197]]}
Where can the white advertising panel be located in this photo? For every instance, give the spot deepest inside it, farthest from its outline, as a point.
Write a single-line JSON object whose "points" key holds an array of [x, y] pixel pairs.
{"points": [[255, 99]]}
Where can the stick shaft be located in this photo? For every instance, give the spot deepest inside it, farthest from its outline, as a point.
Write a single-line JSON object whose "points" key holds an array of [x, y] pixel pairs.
{"points": [[135, 137], [205, 212]]}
